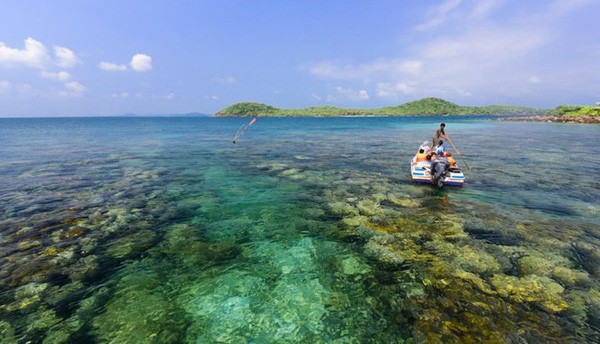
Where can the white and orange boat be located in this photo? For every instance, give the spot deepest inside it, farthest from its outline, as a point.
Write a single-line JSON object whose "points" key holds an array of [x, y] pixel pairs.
{"points": [[421, 173]]}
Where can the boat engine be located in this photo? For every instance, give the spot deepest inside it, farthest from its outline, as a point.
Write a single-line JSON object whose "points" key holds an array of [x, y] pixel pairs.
{"points": [[439, 169]]}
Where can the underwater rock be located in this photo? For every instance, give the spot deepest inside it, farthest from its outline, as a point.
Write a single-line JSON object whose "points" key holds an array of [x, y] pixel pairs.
{"points": [[133, 244], [474, 280], [368, 207], [184, 242], [341, 208], [64, 257], [587, 256], [58, 296], [290, 173], [476, 261], [29, 270], [140, 311], [57, 335], [73, 232], [492, 231], [26, 245], [355, 221], [405, 202], [41, 320], [570, 277], [276, 167], [377, 248], [353, 266], [540, 263], [450, 227], [379, 197], [179, 233], [88, 245], [7, 333], [27, 296], [531, 288], [83, 268]]}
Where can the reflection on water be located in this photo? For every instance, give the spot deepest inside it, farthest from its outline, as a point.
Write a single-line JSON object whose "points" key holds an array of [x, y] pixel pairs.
{"points": [[307, 230]]}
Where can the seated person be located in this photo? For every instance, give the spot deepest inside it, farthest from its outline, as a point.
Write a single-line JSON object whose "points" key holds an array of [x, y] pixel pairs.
{"points": [[421, 156], [440, 147], [451, 160], [427, 163]]}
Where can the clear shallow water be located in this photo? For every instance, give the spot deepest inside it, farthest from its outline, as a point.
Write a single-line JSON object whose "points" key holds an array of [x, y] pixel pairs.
{"points": [[307, 230]]}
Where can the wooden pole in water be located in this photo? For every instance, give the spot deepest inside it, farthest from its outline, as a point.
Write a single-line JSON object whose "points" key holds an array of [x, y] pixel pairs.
{"points": [[457, 151]]}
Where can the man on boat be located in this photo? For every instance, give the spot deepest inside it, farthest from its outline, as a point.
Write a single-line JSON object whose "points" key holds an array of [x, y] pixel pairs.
{"points": [[439, 134]]}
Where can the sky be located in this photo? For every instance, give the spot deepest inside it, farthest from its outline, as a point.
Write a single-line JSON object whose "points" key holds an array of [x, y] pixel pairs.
{"points": [[86, 58]]}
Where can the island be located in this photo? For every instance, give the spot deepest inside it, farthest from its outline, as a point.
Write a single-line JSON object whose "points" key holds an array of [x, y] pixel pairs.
{"points": [[425, 107]]}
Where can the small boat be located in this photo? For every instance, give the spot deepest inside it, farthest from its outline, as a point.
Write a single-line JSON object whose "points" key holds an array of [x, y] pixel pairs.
{"points": [[420, 172]]}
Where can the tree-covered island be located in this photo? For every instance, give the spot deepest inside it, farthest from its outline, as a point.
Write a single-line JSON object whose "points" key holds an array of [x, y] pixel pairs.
{"points": [[426, 106]]}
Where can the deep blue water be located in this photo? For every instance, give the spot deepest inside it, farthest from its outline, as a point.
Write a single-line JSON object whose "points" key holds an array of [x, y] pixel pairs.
{"points": [[306, 230]]}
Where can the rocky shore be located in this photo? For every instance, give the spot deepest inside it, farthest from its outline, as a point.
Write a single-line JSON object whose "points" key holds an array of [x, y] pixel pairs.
{"points": [[556, 119]]}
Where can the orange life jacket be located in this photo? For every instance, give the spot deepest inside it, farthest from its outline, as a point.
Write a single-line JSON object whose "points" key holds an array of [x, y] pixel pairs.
{"points": [[451, 161], [421, 157]]}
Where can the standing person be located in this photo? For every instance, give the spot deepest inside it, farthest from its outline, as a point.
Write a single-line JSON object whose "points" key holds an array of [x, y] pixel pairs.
{"points": [[439, 134]]}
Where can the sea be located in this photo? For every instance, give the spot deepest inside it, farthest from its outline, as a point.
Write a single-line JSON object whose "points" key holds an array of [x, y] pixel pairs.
{"points": [[306, 230]]}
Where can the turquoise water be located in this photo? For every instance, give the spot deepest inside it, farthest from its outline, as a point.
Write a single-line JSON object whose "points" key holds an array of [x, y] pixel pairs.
{"points": [[160, 230]]}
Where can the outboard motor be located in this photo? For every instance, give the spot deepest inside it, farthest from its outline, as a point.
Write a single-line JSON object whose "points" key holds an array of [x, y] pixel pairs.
{"points": [[439, 168]]}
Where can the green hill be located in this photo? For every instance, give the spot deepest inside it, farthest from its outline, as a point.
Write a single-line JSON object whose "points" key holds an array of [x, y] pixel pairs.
{"points": [[576, 111], [426, 106], [247, 109]]}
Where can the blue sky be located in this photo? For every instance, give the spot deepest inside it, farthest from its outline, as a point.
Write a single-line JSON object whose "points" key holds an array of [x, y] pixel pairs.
{"points": [[66, 58]]}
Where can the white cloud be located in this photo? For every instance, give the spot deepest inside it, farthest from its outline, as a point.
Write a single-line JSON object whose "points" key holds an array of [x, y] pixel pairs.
{"points": [[65, 58], [111, 67], [73, 89], [120, 95], [225, 80], [366, 71], [58, 76], [534, 79], [169, 96], [5, 86], [33, 55], [351, 94], [438, 15], [477, 49], [394, 90], [26, 89], [483, 8], [141, 63]]}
